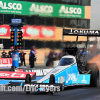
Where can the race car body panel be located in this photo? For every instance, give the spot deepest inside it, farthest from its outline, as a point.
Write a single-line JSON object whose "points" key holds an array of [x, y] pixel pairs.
{"points": [[67, 75]]}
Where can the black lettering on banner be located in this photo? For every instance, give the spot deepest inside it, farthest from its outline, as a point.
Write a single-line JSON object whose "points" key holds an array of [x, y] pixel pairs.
{"points": [[81, 32]]}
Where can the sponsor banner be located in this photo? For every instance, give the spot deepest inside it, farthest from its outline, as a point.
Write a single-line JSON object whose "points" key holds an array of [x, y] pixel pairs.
{"points": [[81, 32], [31, 31], [5, 62], [15, 75], [39, 31], [41, 9]]}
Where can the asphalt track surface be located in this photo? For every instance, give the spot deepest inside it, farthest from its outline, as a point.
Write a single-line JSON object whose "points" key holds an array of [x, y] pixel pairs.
{"points": [[74, 93], [70, 93]]}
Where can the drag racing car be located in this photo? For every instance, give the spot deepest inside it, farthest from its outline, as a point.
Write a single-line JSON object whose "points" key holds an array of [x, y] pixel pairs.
{"points": [[67, 73], [71, 70]]}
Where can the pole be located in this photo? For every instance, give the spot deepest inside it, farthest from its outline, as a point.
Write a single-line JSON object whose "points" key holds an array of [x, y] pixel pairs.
{"points": [[16, 23], [15, 38]]}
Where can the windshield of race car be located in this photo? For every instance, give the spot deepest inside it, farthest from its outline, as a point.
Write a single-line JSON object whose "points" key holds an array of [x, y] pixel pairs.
{"points": [[66, 61]]}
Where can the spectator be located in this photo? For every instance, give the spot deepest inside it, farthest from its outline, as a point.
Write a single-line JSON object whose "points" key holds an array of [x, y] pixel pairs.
{"points": [[49, 61], [54, 55], [51, 58], [35, 53], [22, 57], [3, 53], [61, 54], [32, 57], [83, 51], [10, 53]]}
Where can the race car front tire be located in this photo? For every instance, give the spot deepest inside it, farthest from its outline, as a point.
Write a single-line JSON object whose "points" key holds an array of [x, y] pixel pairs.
{"points": [[52, 79]]}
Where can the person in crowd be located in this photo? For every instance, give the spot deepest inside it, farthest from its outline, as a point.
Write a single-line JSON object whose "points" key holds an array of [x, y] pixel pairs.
{"points": [[10, 53], [4, 53], [53, 55], [32, 57], [83, 51], [35, 53], [61, 54], [51, 58], [22, 57]]}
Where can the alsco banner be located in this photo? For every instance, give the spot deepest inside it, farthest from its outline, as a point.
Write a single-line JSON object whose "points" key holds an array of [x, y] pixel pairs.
{"points": [[41, 9]]}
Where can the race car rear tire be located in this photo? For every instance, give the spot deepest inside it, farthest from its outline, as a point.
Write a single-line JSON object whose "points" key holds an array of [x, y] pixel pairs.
{"points": [[28, 80], [94, 80]]}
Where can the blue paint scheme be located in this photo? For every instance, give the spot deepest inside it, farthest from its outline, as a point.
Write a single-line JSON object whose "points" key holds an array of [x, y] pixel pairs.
{"points": [[71, 76], [4, 81], [38, 78], [21, 84]]}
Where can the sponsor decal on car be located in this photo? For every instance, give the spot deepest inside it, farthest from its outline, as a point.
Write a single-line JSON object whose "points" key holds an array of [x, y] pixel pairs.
{"points": [[71, 77], [84, 81], [61, 79]]}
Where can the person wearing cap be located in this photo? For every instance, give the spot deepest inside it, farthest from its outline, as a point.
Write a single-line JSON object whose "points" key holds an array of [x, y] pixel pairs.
{"points": [[32, 57]]}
